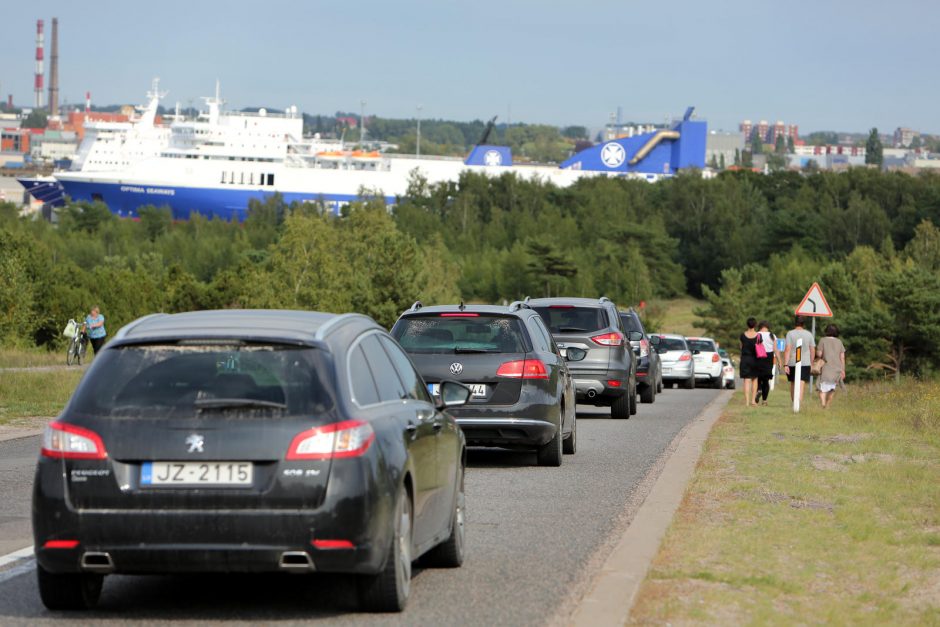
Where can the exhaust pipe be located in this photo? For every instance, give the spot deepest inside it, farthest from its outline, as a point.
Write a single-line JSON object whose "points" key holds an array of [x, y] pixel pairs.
{"points": [[295, 561], [97, 563], [591, 393]]}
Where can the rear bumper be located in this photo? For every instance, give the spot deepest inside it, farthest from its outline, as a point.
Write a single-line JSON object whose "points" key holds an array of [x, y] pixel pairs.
{"points": [[522, 425], [596, 388], [678, 371]]}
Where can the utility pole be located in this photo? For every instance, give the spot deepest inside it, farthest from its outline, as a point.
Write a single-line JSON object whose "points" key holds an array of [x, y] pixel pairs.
{"points": [[418, 146]]}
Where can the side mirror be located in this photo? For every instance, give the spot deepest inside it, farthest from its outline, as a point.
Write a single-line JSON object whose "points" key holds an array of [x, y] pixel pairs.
{"points": [[452, 394], [575, 354], [655, 340], [635, 336]]}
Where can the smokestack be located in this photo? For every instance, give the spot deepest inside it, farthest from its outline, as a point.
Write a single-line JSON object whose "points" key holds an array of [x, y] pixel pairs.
{"points": [[9, 102], [54, 71], [87, 101], [38, 86]]}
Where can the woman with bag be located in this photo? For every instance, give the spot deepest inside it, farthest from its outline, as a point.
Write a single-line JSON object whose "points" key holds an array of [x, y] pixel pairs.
{"points": [[766, 350], [832, 353], [749, 368]]}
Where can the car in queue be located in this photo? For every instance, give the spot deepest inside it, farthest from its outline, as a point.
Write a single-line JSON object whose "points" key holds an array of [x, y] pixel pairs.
{"points": [[708, 366], [649, 373], [606, 376], [676, 358], [728, 376], [250, 441], [522, 395]]}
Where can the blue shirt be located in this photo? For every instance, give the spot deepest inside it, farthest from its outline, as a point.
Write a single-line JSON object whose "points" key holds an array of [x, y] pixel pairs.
{"points": [[95, 332]]}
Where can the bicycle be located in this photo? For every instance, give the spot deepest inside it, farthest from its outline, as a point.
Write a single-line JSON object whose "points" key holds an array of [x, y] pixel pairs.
{"points": [[78, 343]]}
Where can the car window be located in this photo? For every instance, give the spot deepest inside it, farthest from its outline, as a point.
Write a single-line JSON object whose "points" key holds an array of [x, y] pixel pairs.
{"points": [[571, 319], [702, 345], [631, 322], [386, 378], [194, 379], [363, 385], [414, 386], [539, 324], [673, 344], [539, 339], [453, 333]]}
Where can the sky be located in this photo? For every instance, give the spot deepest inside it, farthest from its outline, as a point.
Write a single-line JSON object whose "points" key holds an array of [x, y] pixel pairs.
{"points": [[845, 65]]}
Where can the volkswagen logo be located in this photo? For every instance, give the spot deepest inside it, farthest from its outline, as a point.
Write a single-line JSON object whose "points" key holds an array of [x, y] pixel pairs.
{"points": [[613, 155], [492, 157], [456, 368], [195, 443]]}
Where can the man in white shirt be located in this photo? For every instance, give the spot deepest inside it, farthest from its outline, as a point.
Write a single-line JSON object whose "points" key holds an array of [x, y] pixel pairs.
{"points": [[807, 355]]}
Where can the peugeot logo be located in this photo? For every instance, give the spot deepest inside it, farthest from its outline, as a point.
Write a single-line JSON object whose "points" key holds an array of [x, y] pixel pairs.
{"points": [[195, 442], [456, 368], [613, 155]]}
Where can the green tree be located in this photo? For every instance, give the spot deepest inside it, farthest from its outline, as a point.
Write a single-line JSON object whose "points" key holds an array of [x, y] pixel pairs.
{"points": [[721, 160], [791, 148], [780, 145], [874, 151], [548, 265], [36, 119], [757, 143]]}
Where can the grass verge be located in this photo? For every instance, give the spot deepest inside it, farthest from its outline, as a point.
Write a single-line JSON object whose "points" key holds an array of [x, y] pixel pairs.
{"points": [[29, 358], [28, 395], [675, 316], [824, 517]]}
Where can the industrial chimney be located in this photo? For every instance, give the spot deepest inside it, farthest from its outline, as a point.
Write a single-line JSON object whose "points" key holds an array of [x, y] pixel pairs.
{"points": [[54, 71], [38, 86]]}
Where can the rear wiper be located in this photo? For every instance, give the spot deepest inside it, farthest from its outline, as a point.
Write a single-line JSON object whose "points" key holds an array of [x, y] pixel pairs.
{"points": [[461, 349], [219, 403], [571, 330]]}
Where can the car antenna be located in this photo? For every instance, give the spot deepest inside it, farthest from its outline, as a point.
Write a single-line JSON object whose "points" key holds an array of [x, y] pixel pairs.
{"points": [[417, 305]]}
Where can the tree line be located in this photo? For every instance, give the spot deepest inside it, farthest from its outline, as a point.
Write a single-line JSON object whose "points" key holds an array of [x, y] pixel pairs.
{"points": [[748, 244]]}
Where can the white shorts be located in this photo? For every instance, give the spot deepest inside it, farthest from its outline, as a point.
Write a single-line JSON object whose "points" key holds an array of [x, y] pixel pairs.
{"points": [[826, 387]]}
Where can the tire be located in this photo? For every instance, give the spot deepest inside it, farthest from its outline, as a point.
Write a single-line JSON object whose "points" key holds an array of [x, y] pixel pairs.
{"points": [[388, 591], [70, 355], [570, 445], [69, 591], [659, 386], [633, 401], [450, 553], [550, 454], [731, 385], [689, 384], [718, 383], [620, 409], [648, 395]]}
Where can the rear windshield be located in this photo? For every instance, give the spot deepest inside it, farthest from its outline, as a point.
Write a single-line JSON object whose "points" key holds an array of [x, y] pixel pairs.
{"points": [[566, 319], [630, 323], [702, 345], [471, 334], [673, 344], [205, 379]]}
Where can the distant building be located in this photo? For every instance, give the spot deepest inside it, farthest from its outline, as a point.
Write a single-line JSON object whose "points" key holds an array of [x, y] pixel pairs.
{"points": [[850, 151], [619, 131], [768, 134], [904, 137], [720, 144], [54, 145]]}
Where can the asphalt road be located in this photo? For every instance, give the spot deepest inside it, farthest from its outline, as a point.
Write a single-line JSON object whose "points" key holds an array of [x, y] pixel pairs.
{"points": [[535, 538]]}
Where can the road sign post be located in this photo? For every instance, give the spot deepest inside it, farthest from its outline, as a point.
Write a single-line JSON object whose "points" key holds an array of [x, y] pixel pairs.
{"points": [[814, 306], [797, 381]]}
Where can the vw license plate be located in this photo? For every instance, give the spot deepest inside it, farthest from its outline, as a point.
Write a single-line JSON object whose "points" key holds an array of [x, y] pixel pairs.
{"points": [[477, 390], [196, 473]]}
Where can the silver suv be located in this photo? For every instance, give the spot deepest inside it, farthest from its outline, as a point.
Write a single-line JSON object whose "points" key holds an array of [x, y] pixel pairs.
{"points": [[607, 374]]}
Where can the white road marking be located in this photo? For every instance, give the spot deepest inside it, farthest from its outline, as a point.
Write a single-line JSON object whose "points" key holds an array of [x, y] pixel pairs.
{"points": [[26, 567], [15, 556]]}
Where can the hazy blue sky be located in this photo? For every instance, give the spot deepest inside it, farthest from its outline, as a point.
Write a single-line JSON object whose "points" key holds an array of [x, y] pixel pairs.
{"points": [[841, 64]]}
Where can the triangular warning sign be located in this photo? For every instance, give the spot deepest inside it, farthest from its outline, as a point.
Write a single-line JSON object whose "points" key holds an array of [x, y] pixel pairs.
{"points": [[814, 304]]}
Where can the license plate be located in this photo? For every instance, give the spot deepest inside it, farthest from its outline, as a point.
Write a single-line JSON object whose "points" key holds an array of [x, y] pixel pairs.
{"points": [[667, 369], [196, 473], [477, 390]]}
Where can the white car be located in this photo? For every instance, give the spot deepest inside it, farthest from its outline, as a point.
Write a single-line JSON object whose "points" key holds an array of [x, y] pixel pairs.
{"points": [[708, 366], [727, 373]]}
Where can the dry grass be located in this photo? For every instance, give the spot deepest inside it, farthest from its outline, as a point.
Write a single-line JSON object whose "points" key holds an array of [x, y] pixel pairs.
{"points": [[825, 517], [28, 358], [25, 396], [674, 316]]}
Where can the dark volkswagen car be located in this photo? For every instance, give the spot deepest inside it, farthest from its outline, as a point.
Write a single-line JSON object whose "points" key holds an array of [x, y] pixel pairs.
{"points": [[521, 392], [607, 375], [249, 441], [649, 373]]}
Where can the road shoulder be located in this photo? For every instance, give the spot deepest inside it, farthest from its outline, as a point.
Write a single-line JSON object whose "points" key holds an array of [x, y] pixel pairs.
{"points": [[616, 586]]}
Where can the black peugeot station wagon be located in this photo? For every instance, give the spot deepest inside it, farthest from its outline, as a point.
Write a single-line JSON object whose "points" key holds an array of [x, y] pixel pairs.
{"points": [[521, 392], [250, 441]]}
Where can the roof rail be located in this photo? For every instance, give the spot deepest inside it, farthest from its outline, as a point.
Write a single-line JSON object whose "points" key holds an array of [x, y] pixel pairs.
{"points": [[337, 321], [416, 306], [519, 304], [461, 306], [526, 300], [127, 328], [604, 299]]}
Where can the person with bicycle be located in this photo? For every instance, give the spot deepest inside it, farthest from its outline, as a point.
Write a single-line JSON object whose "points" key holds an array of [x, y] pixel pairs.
{"points": [[94, 327]]}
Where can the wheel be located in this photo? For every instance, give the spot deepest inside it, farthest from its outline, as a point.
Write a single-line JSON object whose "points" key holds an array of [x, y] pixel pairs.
{"points": [[70, 354], [648, 395], [388, 591], [550, 454], [718, 383], [70, 591], [731, 384], [689, 383], [620, 409], [633, 401], [570, 445], [82, 347], [450, 553], [659, 386]]}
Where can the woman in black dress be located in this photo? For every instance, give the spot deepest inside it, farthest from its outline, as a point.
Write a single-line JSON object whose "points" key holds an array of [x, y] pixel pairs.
{"points": [[749, 367], [765, 366]]}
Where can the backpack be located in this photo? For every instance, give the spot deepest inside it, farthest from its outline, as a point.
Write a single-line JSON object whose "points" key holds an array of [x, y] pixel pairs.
{"points": [[759, 347]]}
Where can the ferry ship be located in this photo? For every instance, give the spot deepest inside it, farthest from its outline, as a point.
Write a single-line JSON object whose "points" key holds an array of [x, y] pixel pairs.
{"points": [[215, 164]]}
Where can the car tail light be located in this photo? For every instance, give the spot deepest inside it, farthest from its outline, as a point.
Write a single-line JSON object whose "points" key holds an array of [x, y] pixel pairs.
{"points": [[686, 356], [614, 383], [332, 544], [64, 441], [60, 544], [523, 369], [644, 348], [349, 438], [715, 357], [642, 374], [609, 339], [460, 315]]}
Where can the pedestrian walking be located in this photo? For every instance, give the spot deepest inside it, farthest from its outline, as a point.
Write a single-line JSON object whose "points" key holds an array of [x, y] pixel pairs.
{"points": [[749, 362], [765, 365], [832, 351], [806, 357], [94, 323]]}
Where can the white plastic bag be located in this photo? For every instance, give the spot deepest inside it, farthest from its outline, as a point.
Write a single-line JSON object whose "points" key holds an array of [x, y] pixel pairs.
{"points": [[70, 329]]}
